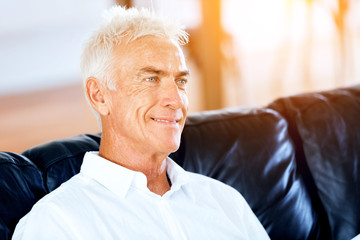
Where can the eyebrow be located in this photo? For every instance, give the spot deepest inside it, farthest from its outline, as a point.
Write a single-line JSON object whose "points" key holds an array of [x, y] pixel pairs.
{"points": [[153, 70]]}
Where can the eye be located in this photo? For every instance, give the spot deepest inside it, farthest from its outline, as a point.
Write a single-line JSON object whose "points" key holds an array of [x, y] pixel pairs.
{"points": [[151, 79], [182, 82]]}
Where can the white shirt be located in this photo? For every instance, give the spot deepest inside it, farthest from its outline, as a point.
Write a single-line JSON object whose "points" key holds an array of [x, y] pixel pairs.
{"points": [[357, 237], [108, 201]]}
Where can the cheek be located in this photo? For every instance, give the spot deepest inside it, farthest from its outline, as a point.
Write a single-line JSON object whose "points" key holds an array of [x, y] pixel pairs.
{"points": [[185, 100], [136, 89], [134, 108], [121, 104]]}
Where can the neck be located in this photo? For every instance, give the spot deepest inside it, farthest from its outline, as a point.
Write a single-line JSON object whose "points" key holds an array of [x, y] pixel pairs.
{"points": [[152, 165]]}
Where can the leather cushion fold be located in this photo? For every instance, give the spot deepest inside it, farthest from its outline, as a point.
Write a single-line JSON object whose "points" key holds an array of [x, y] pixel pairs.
{"points": [[328, 128]]}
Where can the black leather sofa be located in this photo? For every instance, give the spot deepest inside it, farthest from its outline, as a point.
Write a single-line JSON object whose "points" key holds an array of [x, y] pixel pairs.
{"points": [[296, 162]]}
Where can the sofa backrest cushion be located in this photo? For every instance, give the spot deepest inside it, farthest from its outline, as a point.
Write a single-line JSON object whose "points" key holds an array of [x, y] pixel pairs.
{"points": [[251, 151], [21, 186], [61, 159], [328, 128]]}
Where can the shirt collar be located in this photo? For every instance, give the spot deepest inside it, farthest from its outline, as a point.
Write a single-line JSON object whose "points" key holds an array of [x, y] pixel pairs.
{"points": [[119, 179], [177, 175]]}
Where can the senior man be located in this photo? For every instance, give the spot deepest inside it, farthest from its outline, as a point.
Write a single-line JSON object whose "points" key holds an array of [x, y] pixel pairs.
{"points": [[136, 79]]}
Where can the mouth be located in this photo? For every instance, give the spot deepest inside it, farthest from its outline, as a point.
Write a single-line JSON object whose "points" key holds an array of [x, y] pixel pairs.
{"points": [[165, 120]]}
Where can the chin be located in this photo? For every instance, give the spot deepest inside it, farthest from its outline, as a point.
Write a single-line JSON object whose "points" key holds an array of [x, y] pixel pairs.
{"points": [[172, 146], [166, 143], [174, 149]]}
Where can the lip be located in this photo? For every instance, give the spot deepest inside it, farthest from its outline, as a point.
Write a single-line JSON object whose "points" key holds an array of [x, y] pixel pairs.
{"points": [[165, 120]]}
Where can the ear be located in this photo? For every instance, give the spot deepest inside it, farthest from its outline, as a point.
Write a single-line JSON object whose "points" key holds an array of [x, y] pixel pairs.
{"points": [[97, 95]]}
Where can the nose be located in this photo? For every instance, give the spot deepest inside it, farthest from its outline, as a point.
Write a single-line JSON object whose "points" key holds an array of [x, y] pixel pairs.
{"points": [[171, 96]]}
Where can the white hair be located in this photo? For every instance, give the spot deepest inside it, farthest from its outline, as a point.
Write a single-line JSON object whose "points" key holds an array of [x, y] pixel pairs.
{"points": [[121, 23]]}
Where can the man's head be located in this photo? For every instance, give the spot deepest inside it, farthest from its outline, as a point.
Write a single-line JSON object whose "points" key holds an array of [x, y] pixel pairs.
{"points": [[136, 79]]}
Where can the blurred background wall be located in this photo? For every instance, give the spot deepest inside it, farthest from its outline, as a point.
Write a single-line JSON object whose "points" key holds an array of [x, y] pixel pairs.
{"points": [[241, 53]]}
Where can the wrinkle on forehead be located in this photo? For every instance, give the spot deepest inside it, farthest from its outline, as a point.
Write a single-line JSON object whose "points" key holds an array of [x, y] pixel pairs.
{"points": [[142, 43], [150, 49], [153, 70]]}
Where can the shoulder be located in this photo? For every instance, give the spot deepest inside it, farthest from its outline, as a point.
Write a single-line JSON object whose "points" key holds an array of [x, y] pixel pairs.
{"points": [[224, 198], [53, 210], [69, 189], [206, 185], [202, 179], [63, 198]]}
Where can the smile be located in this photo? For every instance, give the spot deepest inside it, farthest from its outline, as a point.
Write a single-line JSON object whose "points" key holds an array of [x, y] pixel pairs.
{"points": [[163, 120]]}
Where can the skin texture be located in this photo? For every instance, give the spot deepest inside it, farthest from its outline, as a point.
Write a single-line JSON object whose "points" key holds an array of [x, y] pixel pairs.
{"points": [[143, 118]]}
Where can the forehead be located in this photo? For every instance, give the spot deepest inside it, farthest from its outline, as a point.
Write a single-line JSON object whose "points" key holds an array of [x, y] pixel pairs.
{"points": [[159, 52]]}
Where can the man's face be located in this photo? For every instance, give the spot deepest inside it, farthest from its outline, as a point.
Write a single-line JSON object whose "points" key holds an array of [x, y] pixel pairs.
{"points": [[149, 105]]}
